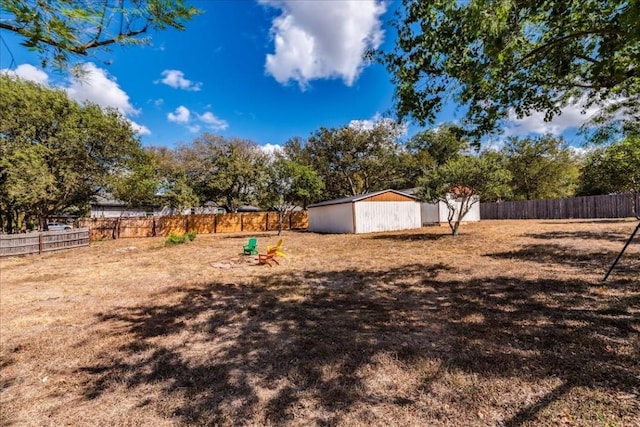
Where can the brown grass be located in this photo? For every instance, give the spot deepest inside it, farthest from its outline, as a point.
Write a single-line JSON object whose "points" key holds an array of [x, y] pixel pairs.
{"points": [[508, 324]]}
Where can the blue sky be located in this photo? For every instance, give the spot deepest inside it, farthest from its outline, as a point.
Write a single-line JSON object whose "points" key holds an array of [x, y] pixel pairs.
{"points": [[264, 70]]}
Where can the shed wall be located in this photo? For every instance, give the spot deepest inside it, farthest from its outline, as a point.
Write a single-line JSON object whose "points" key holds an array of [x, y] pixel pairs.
{"points": [[331, 218], [443, 211], [430, 213], [473, 214], [386, 216], [437, 213]]}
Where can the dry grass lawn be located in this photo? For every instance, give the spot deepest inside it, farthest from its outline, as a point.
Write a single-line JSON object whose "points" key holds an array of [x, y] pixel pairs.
{"points": [[508, 324]]}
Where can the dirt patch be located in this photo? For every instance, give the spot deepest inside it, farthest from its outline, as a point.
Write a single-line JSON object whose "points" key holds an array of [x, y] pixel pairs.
{"points": [[507, 324]]}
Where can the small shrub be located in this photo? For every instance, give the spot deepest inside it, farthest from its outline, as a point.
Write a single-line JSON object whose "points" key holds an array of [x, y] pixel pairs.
{"points": [[176, 239]]}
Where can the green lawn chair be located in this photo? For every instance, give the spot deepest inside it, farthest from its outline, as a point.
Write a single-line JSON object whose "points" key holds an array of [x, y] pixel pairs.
{"points": [[251, 248]]}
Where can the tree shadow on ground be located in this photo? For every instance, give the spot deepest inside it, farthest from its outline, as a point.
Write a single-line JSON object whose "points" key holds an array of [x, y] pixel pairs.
{"points": [[581, 235], [247, 235], [267, 352], [410, 236], [594, 261], [588, 221]]}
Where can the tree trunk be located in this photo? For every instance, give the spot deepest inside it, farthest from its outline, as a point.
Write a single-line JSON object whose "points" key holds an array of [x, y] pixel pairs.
{"points": [[280, 221], [9, 221], [116, 229]]}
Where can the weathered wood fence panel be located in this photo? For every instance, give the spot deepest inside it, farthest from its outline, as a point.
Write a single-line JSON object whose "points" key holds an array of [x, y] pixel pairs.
{"points": [[229, 223], [299, 220], [607, 206], [37, 243], [166, 225], [202, 224], [108, 228]]}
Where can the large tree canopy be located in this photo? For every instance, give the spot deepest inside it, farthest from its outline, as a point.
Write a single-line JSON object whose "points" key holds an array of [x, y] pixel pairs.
{"points": [[541, 168], [59, 29], [55, 154], [429, 149], [175, 189], [225, 171], [354, 160], [613, 169], [289, 185], [508, 57]]}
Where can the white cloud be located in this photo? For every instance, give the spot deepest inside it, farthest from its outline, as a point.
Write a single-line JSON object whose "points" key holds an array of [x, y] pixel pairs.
{"points": [[96, 86], [212, 121], [139, 129], [28, 72], [572, 117], [323, 39], [93, 85], [181, 115], [193, 128], [271, 148], [364, 124], [194, 122], [401, 129], [175, 79], [581, 152]]}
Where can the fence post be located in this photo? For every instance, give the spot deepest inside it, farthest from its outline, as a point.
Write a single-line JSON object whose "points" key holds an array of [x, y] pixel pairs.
{"points": [[241, 222], [266, 222], [40, 243], [215, 223]]}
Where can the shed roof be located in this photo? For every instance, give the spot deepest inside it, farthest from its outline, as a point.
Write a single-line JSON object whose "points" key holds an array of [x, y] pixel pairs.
{"points": [[359, 197]]}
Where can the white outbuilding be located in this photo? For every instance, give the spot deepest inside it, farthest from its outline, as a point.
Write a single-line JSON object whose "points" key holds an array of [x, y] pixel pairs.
{"points": [[438, 212], [385, 210]]}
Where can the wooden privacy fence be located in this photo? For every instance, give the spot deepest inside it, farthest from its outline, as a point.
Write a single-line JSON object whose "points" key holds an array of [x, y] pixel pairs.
{"points": [[108, 228], [37, 243], [608, 206]]}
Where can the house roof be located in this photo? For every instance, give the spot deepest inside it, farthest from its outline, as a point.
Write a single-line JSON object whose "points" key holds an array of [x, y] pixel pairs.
{"points": [[248, 208], [106, 199], [409, 191], [357, 198]]}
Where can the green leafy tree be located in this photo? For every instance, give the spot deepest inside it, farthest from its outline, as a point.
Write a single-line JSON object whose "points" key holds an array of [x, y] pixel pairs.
{"points": [[226, 171], [541, 168], [176, 192], [134, 183], [614, 169], [461, 182], [289, 185], [514, 57], [23, 181], [60, 29], [354, 160], [66, 150], [294, 149], [431, 148]]}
